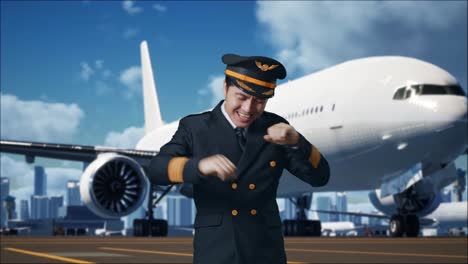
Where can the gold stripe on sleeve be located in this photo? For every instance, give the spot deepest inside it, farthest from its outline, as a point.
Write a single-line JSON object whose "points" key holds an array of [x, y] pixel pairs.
{"points": [[314, 158], [175, 169]]}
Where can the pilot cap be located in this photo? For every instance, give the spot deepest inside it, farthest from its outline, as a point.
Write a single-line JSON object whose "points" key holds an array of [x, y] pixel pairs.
{"points": [[255, 75]]}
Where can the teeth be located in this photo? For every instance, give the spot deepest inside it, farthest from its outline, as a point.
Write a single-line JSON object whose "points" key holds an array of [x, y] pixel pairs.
{"points": [[244, 115]]}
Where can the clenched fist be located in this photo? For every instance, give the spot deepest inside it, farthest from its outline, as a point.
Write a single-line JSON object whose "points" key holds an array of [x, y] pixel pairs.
{"points": [[219, 166], [282, 134]]}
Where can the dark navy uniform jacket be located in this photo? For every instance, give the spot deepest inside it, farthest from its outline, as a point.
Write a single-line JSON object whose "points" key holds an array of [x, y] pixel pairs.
{"points": [[236, 222]]}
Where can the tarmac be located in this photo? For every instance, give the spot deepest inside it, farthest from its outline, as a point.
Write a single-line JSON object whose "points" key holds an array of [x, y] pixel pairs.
{"points": [[26, 249]]}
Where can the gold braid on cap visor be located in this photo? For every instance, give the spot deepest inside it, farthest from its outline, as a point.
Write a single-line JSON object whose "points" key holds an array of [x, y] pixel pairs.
{"points": [[250, 79]]}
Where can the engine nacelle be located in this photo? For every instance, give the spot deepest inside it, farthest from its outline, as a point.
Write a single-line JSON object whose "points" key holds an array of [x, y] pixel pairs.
{"points": [[113, 186], [420, 199]]}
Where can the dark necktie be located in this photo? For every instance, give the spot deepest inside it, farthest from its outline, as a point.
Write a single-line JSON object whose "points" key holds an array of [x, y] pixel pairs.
{"points": [[240, 137]]}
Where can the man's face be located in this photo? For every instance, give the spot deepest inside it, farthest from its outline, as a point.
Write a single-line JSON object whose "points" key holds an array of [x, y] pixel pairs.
{"points": [[242, 107]]}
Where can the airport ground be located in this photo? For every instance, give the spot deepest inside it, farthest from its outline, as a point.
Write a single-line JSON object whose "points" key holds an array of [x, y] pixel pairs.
{"points": [[179, 250]]}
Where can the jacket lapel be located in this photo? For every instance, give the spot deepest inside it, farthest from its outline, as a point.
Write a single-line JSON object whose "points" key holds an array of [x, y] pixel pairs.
{"points": [[254, 143], [224, 137]]}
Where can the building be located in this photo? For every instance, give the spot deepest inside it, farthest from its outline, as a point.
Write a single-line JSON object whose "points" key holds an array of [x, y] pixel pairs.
{"points": [[179, 211], [324, 203], [334, 217], [185, 217], [171, 210], [4, 192], [342, 205], [39, 207], [10, 206], [356, 219], [374, 221], [40, 181], [55, 202], [73, 193], [24, 210], [289, 211]]}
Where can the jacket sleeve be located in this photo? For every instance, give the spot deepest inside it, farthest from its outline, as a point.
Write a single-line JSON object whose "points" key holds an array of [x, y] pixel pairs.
{"points": [[174, 163], [307, 163]]}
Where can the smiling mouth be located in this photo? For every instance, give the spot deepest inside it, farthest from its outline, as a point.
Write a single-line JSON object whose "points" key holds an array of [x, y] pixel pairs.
{"points": [[244, 117]]}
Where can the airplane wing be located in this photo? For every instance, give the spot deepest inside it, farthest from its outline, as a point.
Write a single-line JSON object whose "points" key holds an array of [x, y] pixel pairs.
{"points": [[351, 213], [70, 152]]}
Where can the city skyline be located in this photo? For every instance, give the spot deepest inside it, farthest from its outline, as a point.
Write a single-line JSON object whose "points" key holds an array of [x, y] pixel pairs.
{"points": [[91, 52]]}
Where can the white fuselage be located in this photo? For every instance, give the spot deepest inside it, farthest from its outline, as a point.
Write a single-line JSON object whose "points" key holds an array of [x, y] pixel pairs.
{"points": [[349, 114]]}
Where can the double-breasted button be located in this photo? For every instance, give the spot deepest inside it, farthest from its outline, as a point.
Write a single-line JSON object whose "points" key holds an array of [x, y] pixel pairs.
{"points": [[234, 212], [252, 186], [253, 212], [234, 185], [272, 163]]}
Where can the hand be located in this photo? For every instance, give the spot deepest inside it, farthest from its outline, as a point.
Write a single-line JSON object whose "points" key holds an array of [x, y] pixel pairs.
{"points": [[219, 166], [282, 134]]}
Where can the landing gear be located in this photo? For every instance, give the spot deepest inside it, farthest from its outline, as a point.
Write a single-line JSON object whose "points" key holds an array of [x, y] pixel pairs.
{"points": [[301, 226], [404, 224], [150, 226]]}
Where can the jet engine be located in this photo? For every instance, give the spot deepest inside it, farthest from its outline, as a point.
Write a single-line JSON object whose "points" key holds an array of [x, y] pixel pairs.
{"points": [[420, 199], [113, 186]]}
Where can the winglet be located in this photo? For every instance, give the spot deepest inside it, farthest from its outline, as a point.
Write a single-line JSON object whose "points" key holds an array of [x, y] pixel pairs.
{"points": [[153, 118]]}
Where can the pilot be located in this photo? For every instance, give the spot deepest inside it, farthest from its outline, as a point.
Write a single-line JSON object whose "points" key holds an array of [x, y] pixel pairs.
{"points": [[234, 156]]}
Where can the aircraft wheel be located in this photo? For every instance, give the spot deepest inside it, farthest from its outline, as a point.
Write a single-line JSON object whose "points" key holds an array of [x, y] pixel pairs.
{"points": [[412, 226], [397, 225], [159, 227], [141, 227]]}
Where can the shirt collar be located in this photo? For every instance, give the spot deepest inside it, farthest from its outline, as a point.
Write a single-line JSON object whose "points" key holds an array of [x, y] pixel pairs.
{"points": [[228, 118]]}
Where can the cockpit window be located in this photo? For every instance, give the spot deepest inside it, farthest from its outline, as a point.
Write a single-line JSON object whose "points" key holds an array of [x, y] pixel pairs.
{"points": [[427, 89]]}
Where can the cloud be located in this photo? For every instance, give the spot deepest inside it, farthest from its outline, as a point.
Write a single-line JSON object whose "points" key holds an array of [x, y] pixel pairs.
{"points": [[126, 139], [214, 92], [99, 64], [21, 177], [159, 8], [99, 74], [131, 78], [311, 35], [130, 8], [37, 120], [86, 71], [130, 33]]}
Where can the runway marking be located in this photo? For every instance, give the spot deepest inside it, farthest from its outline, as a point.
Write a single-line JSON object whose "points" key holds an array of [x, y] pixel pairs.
{"points": [[38, 254], [375, 253], [166, 253], [87, 254], [148, 251]]}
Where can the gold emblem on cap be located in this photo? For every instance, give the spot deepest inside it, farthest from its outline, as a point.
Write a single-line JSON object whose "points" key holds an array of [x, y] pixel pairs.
{"points": [[268, 92], [245, 86], [265, 67]]}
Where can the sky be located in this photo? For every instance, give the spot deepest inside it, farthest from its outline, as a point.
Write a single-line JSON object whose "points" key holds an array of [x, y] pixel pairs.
{"points": [[70, 70]]}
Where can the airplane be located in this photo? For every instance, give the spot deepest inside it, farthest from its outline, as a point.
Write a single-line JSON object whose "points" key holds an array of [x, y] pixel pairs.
{"points": [[446, 216], [388, 123]]}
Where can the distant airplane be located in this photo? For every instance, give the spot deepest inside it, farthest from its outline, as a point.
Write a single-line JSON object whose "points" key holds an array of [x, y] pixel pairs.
{"points": [[393, 124], [447, 215]]}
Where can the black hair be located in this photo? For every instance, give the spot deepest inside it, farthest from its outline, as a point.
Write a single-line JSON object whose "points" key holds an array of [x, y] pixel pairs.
{"points": [[229, 81]]}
